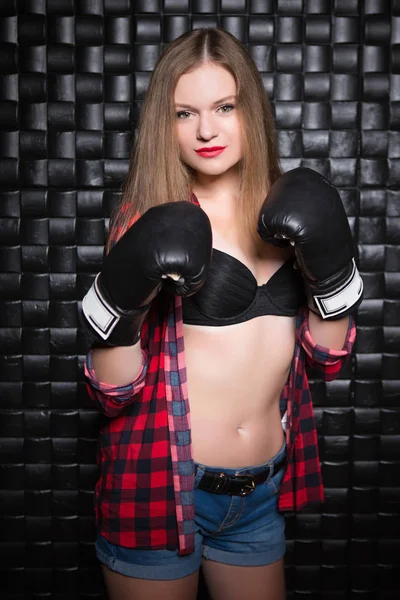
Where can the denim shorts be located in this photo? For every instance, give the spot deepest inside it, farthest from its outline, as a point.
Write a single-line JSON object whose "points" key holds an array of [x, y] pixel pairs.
{"points": [[235, 530]]}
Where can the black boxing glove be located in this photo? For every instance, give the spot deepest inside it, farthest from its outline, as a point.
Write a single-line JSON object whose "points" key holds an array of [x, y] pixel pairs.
{"points": [[305, 210], [169, 246]]}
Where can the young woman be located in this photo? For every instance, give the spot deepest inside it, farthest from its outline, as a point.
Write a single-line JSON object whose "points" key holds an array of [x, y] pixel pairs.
{"points": [[222, 279]]}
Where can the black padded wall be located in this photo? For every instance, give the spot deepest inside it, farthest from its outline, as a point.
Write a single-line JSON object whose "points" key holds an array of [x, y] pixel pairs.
{"points": [[72, 78]]}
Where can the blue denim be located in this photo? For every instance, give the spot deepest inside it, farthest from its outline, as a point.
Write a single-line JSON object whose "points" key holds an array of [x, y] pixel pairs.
{"points": [[245, 531]]}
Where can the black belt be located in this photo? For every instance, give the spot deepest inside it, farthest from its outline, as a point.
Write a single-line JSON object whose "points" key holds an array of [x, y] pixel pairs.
{"points": [[235, 485]]}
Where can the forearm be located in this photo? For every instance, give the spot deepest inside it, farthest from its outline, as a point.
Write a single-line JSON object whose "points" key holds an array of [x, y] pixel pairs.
{"points": [[117, 365], [328, 333]]}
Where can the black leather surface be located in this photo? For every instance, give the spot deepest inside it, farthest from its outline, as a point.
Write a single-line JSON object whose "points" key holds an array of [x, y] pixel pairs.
{"points": [[72, 78]]}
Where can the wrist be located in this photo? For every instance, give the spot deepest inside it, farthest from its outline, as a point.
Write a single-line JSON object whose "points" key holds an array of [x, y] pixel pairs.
{"points": [[107, 323], [338, 295]]}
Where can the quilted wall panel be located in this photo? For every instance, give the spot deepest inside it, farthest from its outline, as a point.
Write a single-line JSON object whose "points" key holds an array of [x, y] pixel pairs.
{"points": [[72, 77]]}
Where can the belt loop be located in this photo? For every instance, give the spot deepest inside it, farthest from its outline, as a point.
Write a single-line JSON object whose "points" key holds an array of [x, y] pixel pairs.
{"points": [[198, 473], [220, 483]]}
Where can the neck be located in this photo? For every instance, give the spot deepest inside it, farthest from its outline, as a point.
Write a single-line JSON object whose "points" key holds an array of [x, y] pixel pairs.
{"points": [[218, 193]]}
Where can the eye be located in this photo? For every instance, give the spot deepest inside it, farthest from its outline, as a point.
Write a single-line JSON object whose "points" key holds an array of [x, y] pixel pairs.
{"points": [[228, 106], [182, 114]]}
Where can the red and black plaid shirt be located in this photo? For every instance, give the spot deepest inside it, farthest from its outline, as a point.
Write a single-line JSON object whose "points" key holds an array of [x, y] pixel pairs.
{"points": [[144, 497]]}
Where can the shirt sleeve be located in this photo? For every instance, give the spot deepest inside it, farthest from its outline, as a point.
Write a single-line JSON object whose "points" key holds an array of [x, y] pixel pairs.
{"points": [[111, 399], [325, 361]]}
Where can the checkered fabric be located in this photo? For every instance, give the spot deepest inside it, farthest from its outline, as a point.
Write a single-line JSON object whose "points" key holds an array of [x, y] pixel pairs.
{"points": [[144, 497]]}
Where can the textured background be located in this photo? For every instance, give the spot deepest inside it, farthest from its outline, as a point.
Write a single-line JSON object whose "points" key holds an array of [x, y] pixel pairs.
{"points": [[72, 78]]}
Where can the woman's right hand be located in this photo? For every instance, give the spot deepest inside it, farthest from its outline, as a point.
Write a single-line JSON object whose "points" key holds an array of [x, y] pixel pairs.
{"points": [[170, 239], [168, 246]]}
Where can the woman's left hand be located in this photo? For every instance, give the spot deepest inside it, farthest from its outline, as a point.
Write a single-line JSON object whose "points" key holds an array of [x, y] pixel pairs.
{"points": [[305, 210]]}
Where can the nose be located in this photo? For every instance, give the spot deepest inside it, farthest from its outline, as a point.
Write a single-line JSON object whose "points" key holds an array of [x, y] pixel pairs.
{"points": [[206, 127]]}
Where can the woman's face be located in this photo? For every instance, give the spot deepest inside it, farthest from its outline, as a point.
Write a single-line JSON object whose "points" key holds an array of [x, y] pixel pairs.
{"points": [[207, 117]]}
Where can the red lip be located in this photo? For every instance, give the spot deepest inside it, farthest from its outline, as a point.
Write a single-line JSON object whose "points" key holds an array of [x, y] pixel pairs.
{"points": [[212, 149]]}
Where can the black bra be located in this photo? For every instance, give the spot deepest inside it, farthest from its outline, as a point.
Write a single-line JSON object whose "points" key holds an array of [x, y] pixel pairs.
{"points": [[231, 295]]}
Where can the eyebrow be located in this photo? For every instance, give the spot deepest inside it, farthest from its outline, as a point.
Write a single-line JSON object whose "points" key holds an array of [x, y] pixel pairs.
{"points": [[214, 103]]}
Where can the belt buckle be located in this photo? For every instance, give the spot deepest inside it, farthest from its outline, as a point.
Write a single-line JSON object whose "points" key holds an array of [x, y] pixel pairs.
{"points": [[248, 488]]}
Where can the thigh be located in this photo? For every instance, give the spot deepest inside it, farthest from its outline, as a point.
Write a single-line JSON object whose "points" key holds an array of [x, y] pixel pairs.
{"points": [[122, 587], [266, 582]]}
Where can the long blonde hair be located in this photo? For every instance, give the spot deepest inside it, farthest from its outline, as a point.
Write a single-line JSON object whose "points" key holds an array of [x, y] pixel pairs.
{"points": [[156, 173]]}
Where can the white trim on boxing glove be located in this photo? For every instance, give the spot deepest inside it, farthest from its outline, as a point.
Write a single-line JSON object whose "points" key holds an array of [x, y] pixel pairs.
{"points": [[340, 301], [100, 314]]}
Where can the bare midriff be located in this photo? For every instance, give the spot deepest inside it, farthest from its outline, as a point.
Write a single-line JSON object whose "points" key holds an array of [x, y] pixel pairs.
{"points": [[235, 375]]}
